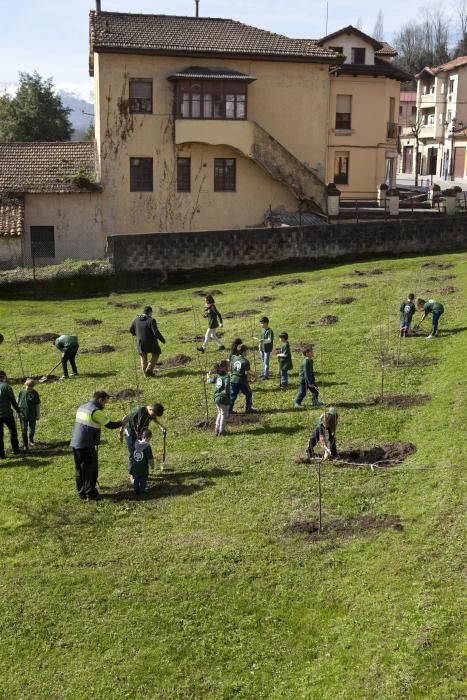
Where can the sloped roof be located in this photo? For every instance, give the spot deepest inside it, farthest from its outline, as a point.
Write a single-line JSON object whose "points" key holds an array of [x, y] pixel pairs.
{"points": [[11, 216], [200, 72], [444, 67], [406, 96], [195, 36], [380, 67], [387, 50], [56, 166], [377, 45]]}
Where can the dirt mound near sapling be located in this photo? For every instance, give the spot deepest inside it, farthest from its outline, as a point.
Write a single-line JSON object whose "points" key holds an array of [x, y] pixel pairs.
{"points": [[124, 304], [234, 419], [342, 301], [50, 378], [102, 349], [204, 293], [126, 394], [328, 320], [45, 338], [242, 314], [437, 266], [300, 347], [449, 290], [285, 283], [354, 285], [88, 321], [385, 455], [364, 273], [410, 361], [399, 401], [177, 361], [264, 299], [345, 528], [179, 310]]}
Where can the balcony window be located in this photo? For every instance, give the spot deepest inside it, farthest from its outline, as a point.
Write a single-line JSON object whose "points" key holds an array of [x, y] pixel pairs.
{"points": [[140, 96], [210, 99], [183, 174], [451, 86], [141, 175], [224, 175], [341, 167], [343, 111], [358, 56]]}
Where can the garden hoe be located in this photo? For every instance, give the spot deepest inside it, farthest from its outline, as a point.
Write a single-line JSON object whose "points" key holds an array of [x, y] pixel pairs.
{"points": [[164, 463], [46, 377]]}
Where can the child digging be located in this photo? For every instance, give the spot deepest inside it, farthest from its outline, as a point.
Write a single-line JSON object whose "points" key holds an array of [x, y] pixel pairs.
{"points": [[265, 346], [327, 421], [141, 459], [214, 321], [239, 368], [285, 360], [431, 307], [407, 310], [221, 395], [307, 380], [30, 411]]}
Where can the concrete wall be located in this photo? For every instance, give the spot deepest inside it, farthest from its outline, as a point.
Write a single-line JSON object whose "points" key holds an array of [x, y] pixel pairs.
{"points": [[77, 222], [11, 254], [167, 253], [367, 144], [289, 100]]}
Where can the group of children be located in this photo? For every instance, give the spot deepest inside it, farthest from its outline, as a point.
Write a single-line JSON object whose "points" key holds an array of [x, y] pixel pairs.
{"points": [[407, 311]]}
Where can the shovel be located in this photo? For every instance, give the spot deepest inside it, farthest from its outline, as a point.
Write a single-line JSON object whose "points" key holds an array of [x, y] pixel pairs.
{"points": [[164, 463], [45, 378]]}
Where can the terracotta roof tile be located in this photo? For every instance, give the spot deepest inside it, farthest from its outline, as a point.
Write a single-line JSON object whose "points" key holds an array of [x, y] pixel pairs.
{"points": [[386, 50], [198, 72], [11, 216], [167, 34], [46, 166]]}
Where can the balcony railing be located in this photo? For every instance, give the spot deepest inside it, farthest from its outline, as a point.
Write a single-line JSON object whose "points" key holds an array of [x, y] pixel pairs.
{"points": [[392, 130]]}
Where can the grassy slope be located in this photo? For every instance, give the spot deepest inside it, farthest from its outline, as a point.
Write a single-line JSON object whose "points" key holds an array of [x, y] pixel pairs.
{"points": [[198, 592]]}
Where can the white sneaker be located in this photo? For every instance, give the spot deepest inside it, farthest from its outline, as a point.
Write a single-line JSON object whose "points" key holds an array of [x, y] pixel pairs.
{"points": [[60, 379], [429, 337]]}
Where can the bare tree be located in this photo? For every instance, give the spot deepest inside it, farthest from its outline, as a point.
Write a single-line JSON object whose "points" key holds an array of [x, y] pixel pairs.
{"points": [[460, 11], [378, 31], [359, 23], [415, 128], [423, 42]]}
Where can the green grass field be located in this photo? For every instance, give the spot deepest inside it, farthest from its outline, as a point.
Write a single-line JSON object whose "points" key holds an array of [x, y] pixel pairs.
{"points": [[203, 589]]}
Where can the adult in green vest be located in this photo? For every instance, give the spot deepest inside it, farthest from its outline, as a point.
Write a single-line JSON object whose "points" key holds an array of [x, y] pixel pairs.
{"points": [[86, 437], [431, 307], [68, 346], [7, 400]]}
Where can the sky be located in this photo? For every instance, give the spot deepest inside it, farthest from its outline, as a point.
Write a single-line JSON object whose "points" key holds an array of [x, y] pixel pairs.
{"points": [[51, 36]]}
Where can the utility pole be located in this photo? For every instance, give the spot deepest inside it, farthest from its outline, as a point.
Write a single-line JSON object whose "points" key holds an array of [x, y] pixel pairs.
{"points": [[327, 17], [197, 8]]}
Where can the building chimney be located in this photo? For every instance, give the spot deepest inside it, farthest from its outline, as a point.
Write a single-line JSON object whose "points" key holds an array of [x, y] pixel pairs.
{"points": [[197, 8], [98, 5]]}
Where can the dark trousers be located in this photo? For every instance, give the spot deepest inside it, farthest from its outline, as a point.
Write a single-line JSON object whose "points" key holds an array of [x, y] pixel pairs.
{"points": [[69, 356], [434, 322], [284, 377], [86, 471], [25, 424], [130, 443], [302, 389], [10, 423], [314, 439], [139, 484], [235, 389]]}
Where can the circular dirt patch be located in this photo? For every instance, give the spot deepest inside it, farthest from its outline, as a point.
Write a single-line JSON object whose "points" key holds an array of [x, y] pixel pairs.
{"points": [[449, 290], [102, 349], [437, 266], [364, 273], [264, 299], [328, 320], [177, 361], [242, 314], [204, 293], [124, 304], [179, 310], [126, 394], [410, 361], [345, 528], [354, 285], [386, 455], [300, 347], [441, 278], [45, 338], [342, 301], [191, 338], [285, 283], [399, 401], [88, 321]]}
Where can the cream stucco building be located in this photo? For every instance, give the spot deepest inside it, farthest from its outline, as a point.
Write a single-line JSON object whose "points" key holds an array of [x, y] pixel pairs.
{"points": [[204, 124]]}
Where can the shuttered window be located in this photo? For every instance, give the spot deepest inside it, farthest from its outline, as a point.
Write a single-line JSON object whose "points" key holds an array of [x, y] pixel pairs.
{"points": [[343, 111]]}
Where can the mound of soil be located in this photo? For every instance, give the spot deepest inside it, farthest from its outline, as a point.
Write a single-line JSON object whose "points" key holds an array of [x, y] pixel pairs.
{"points": [[354, 285], [51, 378], [45, 338], [300, 347], [203, 293], [234, 419], [177, 361], [327, 320], [437, 266], [342, 300], [124, 304], [126, 394], [88, 321], [410, 361], [449, 290], [364, 273], [179, 310], [345, 528], [399, 401], [441, 278], [102, 349], [264, 299], [285, 283], [191, 338], [387, 454], [310, 323], [242, 314]]}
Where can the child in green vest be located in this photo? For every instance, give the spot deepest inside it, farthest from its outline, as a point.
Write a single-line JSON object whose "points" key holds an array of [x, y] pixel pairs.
{"points": [[239, 368], [266, 342], [407, 310], [68, 346], [221, 380], [307, 380], [431, 307], [30, 410], [285, 360], [141, 459], [214, 321], [327, 422]]}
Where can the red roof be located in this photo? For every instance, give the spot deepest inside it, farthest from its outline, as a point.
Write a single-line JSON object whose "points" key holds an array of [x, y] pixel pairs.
{"points": [[408, 97]]}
